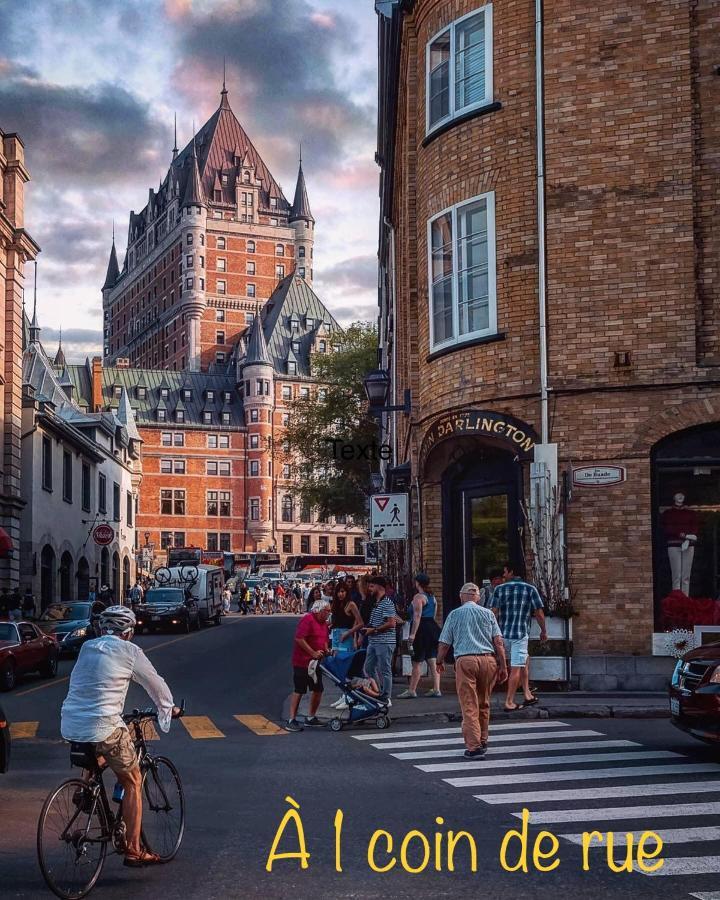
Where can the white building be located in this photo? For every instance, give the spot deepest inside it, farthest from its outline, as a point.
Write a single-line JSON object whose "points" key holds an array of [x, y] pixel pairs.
{"points": [[80, 469]]}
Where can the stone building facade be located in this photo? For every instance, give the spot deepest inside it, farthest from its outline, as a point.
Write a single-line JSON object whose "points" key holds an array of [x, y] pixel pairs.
{"points": [[608, 220], [17, 248]]}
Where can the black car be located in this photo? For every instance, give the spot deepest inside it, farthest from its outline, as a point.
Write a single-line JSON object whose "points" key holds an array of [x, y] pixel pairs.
{"points": [[4, 742], [167, 607], [71, 624]]}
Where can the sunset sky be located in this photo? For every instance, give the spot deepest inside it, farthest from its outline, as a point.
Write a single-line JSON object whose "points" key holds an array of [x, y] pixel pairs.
{"points": [[92, 88]]}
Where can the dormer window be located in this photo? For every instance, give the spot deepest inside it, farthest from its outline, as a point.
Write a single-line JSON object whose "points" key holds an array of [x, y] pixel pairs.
{"points": [[295, 323], [217, 196], [141, 393], [273, 203], [210, 395], [322, 346], [296, 346], [207, 418], [187, 394], [292, 367], [117, 390], [224, 179], [164, 393], [246, 178], [227, 397], [179, 415], [225, 418], [161, 415]]}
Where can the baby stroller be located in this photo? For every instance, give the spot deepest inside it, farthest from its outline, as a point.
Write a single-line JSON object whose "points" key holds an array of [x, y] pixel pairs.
{"points": [[341, 669]]}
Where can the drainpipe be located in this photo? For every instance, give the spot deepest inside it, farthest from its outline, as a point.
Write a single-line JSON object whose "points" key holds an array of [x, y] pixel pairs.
{"points": [[541, 221], [393, 361]]}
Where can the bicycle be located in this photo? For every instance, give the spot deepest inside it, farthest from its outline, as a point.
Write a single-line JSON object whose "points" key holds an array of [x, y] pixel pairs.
{"points": [[77, 822]]}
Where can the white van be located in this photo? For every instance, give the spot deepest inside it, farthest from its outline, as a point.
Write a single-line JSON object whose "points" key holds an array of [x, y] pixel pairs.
{"points": [[205, 584]]}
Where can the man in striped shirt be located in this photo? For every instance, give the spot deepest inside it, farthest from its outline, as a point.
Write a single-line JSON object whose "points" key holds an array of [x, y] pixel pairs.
{"points": [[514, 603], [380, 633]]}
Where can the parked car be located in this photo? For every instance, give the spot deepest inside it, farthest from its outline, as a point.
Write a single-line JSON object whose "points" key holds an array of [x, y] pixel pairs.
{"points": [[71, 624], [5, 742], [167, 607], [24, 648], [695, 693]]}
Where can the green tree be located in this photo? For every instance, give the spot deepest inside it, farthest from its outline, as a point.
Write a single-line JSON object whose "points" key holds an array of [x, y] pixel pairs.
{"points": [[338, 409]]}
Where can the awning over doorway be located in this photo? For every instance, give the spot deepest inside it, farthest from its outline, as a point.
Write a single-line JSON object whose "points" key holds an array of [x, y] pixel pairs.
{"points": [[6, 544]]}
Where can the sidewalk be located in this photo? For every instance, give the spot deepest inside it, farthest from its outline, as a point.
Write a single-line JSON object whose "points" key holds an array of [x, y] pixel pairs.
{"points": [[577, 704]]}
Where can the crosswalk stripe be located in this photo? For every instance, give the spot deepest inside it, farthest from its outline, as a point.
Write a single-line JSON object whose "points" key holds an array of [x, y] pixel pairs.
{"points": [[713, 895], [581, 774], [21, 730], [525, 761], [570, 745], [504, 738], [201, 727], [669, 836], [260, 725], [466, 764], [622, 812], [519, 726], [598, 793], [686, 865]]}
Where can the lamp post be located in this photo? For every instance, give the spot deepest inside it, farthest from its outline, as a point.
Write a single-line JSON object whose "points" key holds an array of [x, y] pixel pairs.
{"points": [[377, 387]]}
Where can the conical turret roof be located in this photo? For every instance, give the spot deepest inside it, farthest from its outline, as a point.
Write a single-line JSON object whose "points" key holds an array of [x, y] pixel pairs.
{"points": [[113, 270], [301, 203], [257, 349], [194, 195]]}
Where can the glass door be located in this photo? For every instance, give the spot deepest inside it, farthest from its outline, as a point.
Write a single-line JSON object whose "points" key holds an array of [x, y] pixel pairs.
{"points": [[486, 538]]}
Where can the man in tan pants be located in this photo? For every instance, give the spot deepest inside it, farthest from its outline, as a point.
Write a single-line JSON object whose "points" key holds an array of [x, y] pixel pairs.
{"points": [[473, 633]]}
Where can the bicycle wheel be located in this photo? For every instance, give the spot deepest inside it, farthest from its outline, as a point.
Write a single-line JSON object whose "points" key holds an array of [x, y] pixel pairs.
{"points": [[163, 822], [71, 840]]}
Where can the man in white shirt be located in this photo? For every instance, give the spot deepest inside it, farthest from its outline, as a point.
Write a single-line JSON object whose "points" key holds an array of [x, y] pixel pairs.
{"points": [[92, 712]]}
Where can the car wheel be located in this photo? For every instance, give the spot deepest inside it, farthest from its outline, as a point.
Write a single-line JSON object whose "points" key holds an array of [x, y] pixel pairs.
{"points": [[218, 619], [8, 677], [185, 627], [197, 623], [50, 667]]}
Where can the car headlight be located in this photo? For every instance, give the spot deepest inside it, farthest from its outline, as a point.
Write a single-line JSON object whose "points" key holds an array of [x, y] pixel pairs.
{"points": [[78, 633], [715, 677]]}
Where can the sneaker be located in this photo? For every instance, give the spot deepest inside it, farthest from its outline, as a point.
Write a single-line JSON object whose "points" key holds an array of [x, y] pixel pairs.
{"points": [[341, 704], [293, 725], [407, 695], [312, 720], [475, 754], [433, 693]]}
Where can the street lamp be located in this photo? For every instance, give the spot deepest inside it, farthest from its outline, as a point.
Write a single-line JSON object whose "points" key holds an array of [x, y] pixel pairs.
{"points": [[147, 538], [377, 387]]}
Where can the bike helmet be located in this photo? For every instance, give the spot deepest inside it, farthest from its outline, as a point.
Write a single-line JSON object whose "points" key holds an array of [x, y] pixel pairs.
{"points": [[117, 620]]}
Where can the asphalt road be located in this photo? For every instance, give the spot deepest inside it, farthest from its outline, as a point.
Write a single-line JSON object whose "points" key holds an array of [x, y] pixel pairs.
{"points": [[236, 784]]}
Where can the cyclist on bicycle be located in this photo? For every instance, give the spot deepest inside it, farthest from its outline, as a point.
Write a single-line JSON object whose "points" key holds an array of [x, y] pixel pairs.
{"points": [[92, 712]]}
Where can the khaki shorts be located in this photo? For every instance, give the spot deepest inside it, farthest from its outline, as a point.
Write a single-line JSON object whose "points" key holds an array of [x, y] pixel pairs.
{"points": [[118, 751]]}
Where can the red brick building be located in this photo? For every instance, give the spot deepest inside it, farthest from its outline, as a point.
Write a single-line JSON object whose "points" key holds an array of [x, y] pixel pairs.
{"points": [[549, 257]]}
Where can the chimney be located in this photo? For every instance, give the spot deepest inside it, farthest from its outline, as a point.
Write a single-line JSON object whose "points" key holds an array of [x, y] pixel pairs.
{"points": [[96, 398]]}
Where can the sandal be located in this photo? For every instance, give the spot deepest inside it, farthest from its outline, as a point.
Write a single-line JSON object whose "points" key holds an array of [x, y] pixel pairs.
{"points": [[145, 859], [530, 702], [511, 708]]}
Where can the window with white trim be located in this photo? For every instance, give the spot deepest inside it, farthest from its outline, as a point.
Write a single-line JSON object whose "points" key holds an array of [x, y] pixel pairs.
{"points": [[459, 68], [462, 272]]}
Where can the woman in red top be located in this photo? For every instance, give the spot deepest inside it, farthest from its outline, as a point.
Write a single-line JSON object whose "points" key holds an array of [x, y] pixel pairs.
{"points": [[311, 643]]}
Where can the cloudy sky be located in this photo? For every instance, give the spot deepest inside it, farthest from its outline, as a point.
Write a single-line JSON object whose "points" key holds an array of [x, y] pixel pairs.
{"points": [[92, 87]]}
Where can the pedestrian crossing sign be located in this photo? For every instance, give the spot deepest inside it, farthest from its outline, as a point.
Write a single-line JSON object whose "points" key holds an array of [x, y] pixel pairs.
{"points": [[389, 517]]}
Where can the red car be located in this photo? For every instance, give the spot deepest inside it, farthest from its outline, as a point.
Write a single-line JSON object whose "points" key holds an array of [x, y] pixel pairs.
{"points": [[4, 742], [24, 648], [695, 693]]}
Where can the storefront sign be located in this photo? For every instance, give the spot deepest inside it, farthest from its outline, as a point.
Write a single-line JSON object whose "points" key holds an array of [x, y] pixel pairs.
{"points": [[518, 435], [598, 476], [103, 535]]}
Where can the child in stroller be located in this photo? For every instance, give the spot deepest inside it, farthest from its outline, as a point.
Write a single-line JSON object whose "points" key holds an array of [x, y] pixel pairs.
{"points": [[361, 693]]}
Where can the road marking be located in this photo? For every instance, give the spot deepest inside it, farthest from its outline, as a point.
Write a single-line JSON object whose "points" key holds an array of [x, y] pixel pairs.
{"points": [[201, 727], [262, 726], [501, 738], [715, 895], [581, 774], [598, 793], [524, 761], [22, 730], [535, 723], [495, 751], [622, 812], [668, 835], [686, 865], [570, 745]]}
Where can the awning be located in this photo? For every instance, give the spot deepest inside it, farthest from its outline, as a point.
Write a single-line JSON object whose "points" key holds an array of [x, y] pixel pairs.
{"points": [[6, 544]]}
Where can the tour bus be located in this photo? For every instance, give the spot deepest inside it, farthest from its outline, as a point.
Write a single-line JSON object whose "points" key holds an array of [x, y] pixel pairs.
{"points": [[328, 565], [179, 556]]}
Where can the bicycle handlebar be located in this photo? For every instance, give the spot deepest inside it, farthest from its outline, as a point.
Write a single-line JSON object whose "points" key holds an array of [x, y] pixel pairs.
{"points": [[137, 715]]}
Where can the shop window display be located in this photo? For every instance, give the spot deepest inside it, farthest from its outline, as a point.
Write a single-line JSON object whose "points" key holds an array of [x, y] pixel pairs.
{"points": [[686, 520]]}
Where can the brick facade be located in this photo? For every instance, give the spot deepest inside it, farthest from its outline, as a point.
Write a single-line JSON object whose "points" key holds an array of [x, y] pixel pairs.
{"points": [[631, 117]]}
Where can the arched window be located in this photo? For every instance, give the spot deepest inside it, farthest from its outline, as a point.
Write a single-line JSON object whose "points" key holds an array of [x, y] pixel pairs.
{"points": [[279, 249], [126, 575], [116, 577], [287, 508], [47, 576], [251, 246]]}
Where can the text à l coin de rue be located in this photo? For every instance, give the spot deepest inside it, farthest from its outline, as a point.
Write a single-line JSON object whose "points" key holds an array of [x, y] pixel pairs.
{"points": [[447, 851]]}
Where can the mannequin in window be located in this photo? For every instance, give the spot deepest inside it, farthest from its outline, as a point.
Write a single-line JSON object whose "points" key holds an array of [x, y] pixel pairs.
{"points": [[681, 526]]}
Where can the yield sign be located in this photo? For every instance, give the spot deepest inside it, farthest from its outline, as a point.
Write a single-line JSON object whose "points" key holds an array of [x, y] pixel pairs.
{"points": [[382, 502], [389, 517]]}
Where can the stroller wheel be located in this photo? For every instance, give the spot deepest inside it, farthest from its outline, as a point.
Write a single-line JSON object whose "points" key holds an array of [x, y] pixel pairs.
{"points": [[336, 724], [381, 722]]}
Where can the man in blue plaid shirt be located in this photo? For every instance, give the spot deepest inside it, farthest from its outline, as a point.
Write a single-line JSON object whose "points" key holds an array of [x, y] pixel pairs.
{"points": [[514, 603]]}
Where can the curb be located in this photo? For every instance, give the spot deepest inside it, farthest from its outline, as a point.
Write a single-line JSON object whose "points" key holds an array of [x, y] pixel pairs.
{"points": [[543, 712]]}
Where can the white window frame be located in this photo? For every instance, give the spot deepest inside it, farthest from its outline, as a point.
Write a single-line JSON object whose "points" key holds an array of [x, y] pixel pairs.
{"points": [[488, 98], [456, 339]]}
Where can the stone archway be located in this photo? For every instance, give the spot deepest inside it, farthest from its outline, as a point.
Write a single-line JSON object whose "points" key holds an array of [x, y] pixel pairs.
{"points": [[115, 577], [125, 575], [675, 418]]}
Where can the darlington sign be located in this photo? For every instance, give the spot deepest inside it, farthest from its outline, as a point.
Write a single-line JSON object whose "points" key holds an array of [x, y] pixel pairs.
{"points": [[519, 435]]}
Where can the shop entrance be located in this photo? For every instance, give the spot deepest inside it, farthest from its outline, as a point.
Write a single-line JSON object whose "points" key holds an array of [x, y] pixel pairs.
{"points": [[482, 519]]}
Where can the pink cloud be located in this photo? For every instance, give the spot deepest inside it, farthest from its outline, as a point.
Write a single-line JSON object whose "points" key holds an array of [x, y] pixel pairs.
{"points": [[323, 20]]}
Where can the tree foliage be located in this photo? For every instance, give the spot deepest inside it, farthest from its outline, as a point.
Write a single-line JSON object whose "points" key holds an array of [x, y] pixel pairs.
{"points": [[336, 410]]}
